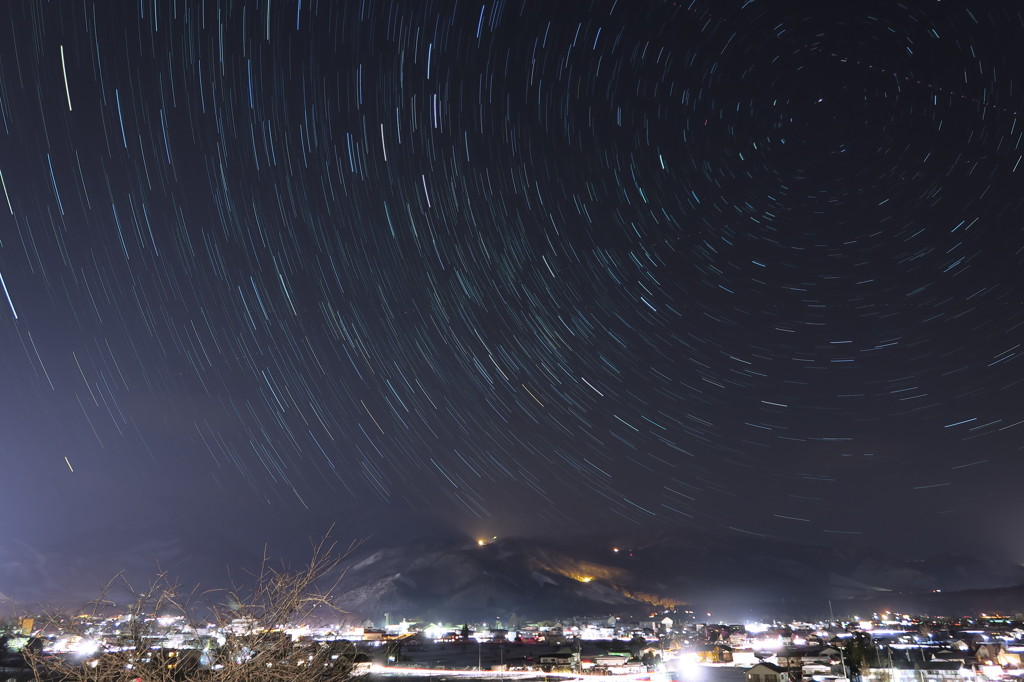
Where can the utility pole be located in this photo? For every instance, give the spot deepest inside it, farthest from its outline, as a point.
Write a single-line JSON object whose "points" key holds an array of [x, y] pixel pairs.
{"points": [[842, 659]]}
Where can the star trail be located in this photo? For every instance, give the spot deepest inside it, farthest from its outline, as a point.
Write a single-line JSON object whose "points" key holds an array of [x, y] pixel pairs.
{"points": [[518, 267]]}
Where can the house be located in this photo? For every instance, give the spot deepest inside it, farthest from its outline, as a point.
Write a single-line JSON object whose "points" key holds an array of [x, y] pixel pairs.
{"points": [[563, 658], [952, 655], [714, 653], [738, 639], [1008, 659], [986, 652], [796, 658], [373, 635], [932, 671], [945, 671], [766, 672], [960, 644], [611, 660], [994, 653]]}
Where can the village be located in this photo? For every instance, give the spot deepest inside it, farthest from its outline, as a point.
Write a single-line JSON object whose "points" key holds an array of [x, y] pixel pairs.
{"points": [[885, 647]]}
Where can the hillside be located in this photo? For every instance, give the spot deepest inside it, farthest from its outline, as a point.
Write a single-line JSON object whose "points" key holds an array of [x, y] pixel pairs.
{"points": [[734, 578]]}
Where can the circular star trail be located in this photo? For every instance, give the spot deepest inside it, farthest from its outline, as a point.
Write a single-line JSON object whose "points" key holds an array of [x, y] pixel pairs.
{"points": [[515, 265]]}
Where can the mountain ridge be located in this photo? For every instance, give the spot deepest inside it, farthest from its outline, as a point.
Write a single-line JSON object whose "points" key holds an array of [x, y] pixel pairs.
{"points": [[448, 577]]}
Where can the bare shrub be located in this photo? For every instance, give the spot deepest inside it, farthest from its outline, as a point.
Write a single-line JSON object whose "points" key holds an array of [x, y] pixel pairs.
{"points": [[234, 635]]}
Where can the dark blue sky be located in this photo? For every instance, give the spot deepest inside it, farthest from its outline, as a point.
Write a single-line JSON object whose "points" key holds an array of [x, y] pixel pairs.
{"points": [[514, 267]]}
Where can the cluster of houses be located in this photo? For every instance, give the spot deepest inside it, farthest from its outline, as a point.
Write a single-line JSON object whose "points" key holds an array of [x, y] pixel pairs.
{"points": [[860, 656], [890, 648]]}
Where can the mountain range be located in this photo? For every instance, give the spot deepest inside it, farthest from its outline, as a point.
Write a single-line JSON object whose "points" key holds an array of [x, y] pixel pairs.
{"points": [[733, 578]]}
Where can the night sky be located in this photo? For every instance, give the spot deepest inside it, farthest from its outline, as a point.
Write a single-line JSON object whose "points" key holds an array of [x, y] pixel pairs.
{"points": [[515, 267]]}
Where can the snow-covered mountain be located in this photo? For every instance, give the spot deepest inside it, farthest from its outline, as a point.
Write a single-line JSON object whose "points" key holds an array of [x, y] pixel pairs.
{"points": [[455, 578], [733, 578]]}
